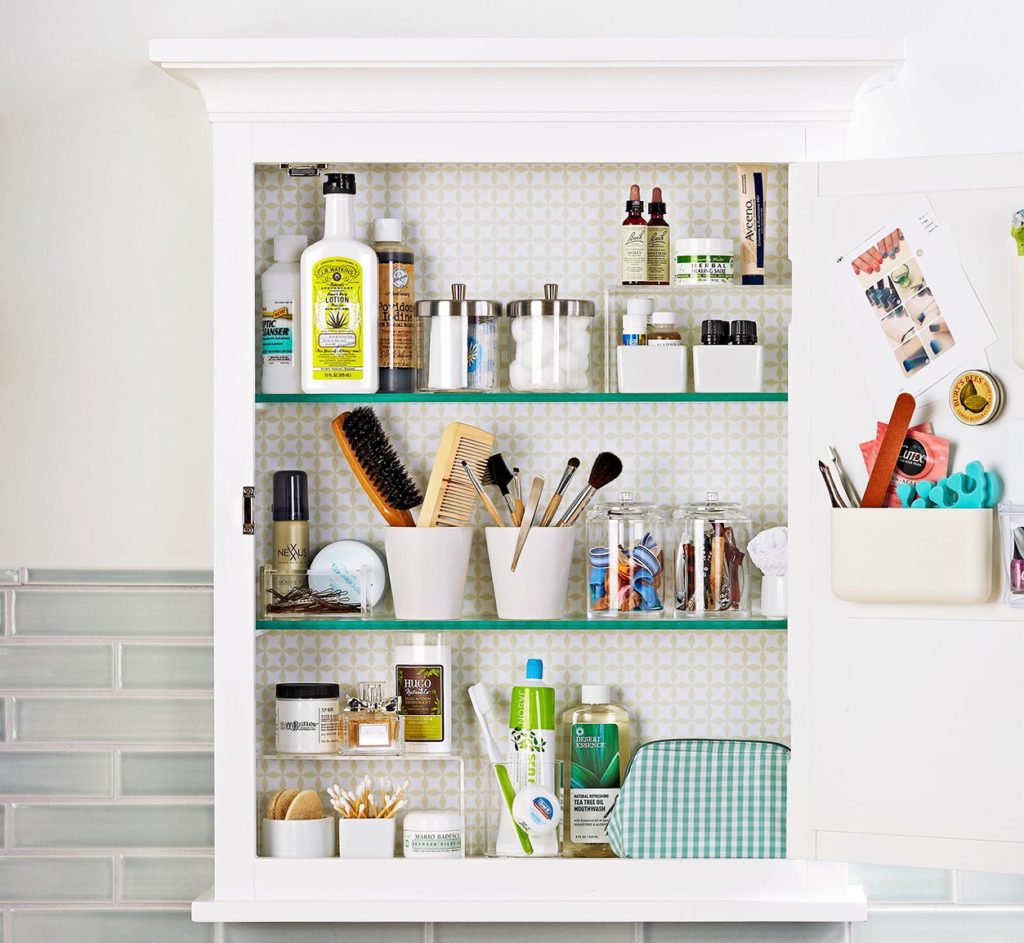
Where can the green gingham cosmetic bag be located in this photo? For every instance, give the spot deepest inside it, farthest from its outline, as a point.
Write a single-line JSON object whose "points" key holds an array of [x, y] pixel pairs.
{"points": [[702, 799]]}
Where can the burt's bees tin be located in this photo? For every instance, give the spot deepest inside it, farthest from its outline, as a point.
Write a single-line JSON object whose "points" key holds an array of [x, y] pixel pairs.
{"points": [[975, 397]]}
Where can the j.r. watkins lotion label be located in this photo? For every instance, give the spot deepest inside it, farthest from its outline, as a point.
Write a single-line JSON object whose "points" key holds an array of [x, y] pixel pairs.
{"points": [[594, 781]]}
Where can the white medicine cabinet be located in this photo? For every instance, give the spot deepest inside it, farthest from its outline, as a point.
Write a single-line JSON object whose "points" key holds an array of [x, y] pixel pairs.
{"points": [[510, 161]]}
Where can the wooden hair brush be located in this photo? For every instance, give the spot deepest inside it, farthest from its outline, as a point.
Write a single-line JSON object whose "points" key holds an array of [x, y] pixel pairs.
{"points": [[377, 466], [451, 498]]}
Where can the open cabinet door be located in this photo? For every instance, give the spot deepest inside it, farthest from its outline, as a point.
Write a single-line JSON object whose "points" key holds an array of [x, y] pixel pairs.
{"points": [[908, 719]]}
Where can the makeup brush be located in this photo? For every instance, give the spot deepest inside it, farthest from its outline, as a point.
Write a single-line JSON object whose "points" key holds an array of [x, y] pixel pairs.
{"points": [[556, 498], [517, 495], [484, 496], [376, 465], [501, 477], [606, 468]]}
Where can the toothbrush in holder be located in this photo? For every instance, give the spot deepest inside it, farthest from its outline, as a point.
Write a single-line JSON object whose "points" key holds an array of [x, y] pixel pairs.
{"points": [[480, 696]]}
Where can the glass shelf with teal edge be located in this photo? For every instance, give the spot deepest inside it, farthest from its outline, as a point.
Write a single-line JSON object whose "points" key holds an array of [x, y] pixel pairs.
{"points": [[485, 624], [459, 397]]}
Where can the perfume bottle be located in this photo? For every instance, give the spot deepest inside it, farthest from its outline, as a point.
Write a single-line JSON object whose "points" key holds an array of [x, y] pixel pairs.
{"points": [[371, 723]]}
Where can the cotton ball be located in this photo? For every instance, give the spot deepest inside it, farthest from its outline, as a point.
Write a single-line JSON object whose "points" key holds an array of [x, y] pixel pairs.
{"points": [[770, 551]]}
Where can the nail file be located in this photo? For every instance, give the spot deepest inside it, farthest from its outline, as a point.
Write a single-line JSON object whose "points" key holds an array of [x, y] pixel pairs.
{"points": [[889, 451], [530, 514]]}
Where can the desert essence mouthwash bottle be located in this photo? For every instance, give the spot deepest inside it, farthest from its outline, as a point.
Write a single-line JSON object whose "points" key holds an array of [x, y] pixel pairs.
{"points": [[598, 749]]}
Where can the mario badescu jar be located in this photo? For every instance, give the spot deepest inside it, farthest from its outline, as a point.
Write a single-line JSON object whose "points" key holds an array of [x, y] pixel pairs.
{"points": [[306, 719], [432, 834]]}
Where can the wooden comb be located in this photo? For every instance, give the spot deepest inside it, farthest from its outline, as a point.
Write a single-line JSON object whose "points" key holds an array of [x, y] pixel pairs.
{"points": [[451, 498]]}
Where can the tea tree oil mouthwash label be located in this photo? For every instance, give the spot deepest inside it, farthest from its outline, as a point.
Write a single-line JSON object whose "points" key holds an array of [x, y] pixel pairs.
{"points": [[594, 781], [337, 335], [421, 688]]}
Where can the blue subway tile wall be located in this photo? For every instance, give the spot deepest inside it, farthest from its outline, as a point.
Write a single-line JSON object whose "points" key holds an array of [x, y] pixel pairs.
{"points": [[106, 779]]}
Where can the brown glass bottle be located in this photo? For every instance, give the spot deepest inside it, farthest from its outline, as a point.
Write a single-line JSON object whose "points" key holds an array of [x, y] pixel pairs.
{"points": [[659, 242], [634, 240]]}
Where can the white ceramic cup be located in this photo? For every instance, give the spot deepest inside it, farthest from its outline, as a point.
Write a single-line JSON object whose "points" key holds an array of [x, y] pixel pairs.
{"points": [[303, 838], [366, 838], [427, 567], [538, 588], [773, 596]]}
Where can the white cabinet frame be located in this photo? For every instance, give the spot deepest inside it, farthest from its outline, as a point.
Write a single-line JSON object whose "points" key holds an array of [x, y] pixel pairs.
{"points": [[322, 100]]}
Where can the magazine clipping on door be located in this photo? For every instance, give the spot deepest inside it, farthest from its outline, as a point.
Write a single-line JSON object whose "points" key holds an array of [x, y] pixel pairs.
{"points": [[911, 310]]}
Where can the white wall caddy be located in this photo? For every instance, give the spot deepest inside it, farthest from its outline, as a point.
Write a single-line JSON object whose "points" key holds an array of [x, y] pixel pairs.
{"points": [[872, 777]]}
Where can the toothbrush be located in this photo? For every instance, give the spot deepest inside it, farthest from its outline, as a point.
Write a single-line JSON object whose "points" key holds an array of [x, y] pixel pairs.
{"points": [[480, 696]]}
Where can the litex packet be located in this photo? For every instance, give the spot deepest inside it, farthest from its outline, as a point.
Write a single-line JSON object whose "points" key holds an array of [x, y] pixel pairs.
{"points": [[923, 457]]}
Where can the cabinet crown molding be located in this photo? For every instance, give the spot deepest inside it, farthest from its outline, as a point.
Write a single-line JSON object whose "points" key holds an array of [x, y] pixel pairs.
{"points": [[468, 81]]}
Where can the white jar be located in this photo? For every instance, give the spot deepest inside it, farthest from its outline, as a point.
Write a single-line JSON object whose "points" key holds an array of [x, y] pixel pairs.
{"points": [[432, 834], [307, 716], [703, 261], [551, 343]]}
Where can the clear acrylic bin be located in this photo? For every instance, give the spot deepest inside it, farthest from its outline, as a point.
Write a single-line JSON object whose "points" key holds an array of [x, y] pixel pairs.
{"points": [[313, 594], [543, 817]]}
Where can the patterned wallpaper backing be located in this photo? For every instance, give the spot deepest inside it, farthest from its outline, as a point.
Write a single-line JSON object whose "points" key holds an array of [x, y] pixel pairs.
{"points": [[505, 230]]}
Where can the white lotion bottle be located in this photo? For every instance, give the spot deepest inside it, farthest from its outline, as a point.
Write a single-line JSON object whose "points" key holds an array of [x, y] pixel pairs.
{"points": [[338, 274], [279, 314], [422, 664]]}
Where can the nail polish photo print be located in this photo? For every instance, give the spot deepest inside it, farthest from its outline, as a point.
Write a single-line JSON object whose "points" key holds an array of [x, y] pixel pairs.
{"points": [[897, 293], [888, 290]]}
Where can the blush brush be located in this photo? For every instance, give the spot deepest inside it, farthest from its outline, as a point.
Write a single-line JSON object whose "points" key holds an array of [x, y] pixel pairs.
{"points": [[606, 468]]}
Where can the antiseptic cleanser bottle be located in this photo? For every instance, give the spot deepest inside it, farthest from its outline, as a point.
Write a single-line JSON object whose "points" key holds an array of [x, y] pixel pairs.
{"points": [[339, 301]]}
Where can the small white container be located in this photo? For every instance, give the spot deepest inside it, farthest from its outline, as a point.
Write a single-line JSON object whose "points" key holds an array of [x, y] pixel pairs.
{"points": [[708, 261], [774, 602], [366, 838], [432, 834], [550, 343], [304, 838], [728, 360], [428, 568], [652, 369], [540, 584], [306, 718]]}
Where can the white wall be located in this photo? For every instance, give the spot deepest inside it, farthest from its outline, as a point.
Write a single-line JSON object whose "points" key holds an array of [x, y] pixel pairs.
{"points": [[105, 364]]}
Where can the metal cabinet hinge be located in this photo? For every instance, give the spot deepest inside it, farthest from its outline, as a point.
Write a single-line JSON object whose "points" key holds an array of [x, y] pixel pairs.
{"points": [[303, 170], [248, 506]]}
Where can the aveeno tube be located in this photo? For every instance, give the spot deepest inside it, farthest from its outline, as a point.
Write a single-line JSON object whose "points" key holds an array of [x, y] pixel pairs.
{"points": [[752, 180], [531, 754]]}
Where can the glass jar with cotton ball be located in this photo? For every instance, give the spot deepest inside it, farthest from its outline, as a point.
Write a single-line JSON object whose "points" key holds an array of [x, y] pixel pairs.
{"points": [[551, 343]]}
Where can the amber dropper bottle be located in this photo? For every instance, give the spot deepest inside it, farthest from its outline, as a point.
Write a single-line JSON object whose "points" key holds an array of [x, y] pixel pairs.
{"points": [[659, 241], [634, 240]]}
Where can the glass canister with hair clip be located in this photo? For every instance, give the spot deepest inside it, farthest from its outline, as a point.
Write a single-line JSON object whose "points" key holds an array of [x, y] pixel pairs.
{"points": [[625, 560], [712, 569]]}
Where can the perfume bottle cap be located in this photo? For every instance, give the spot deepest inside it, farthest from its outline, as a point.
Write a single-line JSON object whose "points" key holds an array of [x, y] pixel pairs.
{"points": [[291, 496], [340, 183], [535, 670], [596, 694], [714, 332]]}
